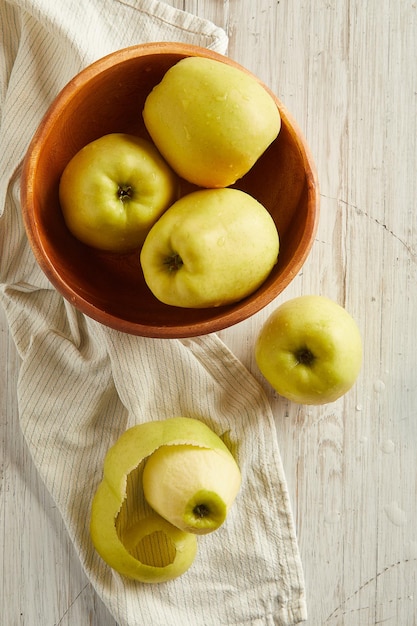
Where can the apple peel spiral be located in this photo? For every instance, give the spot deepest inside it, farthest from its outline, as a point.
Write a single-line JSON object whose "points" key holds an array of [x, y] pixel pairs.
{"points": [[189, 482]]}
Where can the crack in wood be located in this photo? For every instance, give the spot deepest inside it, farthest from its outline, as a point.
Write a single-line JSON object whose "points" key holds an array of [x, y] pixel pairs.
{"points": [[363, 213], [338, 611], [71, 604]]}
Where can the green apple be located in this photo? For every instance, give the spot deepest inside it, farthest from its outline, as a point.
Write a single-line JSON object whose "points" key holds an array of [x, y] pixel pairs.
{"points": [[210, 248], [210, 120], [310, 350], [191, 487], [114, 189]]}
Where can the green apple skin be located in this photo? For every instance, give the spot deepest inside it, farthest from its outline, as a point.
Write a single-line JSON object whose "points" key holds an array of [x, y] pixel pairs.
{"points": [[310, 350], [191, 487], [114, 189], [210, 121], [210, 248]]}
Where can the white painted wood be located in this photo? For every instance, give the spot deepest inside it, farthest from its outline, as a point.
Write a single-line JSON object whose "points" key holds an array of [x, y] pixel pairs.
{"points": [[347, 70]]}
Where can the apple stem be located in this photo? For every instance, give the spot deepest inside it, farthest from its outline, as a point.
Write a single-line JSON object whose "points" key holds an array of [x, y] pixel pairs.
{"points": [[173, 262], [305, 357], [201, 510], [124, 192]]}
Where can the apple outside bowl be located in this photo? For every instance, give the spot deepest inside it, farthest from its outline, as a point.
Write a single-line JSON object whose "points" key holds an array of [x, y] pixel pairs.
{"points": [[106, 97]]}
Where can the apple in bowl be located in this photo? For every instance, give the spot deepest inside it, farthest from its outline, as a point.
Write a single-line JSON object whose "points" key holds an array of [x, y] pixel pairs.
{"points": [[114, 189], [211, 121], [211, 248]]}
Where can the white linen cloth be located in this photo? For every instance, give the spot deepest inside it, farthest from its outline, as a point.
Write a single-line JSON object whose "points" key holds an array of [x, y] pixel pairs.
{"points": [[81, 384]]}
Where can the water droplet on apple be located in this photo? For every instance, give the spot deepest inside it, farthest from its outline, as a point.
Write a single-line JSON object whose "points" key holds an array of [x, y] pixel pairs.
{"points": [[221, 241]]}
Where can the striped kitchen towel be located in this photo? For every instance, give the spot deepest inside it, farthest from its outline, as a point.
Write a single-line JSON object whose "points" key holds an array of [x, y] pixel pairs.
{"points": [[81, 384]]}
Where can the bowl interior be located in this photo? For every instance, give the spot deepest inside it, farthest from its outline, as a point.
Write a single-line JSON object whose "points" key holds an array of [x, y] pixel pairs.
{"points": [[108, 97]]}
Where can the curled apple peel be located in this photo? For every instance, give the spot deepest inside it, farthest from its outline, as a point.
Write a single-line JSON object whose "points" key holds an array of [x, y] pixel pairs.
{"points": [[148, 547], [122, 555]]}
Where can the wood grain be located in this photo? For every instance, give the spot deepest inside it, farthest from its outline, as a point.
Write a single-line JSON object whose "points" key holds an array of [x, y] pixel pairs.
{"points": [[347, 71]]}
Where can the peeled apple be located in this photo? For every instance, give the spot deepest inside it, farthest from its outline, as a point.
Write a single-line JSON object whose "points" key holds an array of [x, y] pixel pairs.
{"points": [[129, 551]]}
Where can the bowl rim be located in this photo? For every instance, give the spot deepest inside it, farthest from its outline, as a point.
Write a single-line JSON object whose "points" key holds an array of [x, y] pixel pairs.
{"points": [[224, 319]]}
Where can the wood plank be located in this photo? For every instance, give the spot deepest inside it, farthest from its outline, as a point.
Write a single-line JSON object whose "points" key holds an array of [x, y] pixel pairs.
{"points": [[347, 71]]}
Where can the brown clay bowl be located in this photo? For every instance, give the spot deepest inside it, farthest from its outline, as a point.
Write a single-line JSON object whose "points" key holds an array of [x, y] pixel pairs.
{"points": [[106, 97]]}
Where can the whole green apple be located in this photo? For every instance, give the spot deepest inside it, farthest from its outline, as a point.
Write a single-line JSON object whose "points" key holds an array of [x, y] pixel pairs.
{"points": [[192, 487], [210, 120], [210, 248], [310, 350], [114, 189]]}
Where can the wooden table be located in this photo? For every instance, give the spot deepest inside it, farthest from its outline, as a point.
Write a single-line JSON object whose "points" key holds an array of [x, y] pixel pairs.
{"points": [[347, 71]]}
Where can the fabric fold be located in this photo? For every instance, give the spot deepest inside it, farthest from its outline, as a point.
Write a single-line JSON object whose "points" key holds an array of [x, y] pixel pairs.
{"points": [[82, 384]]}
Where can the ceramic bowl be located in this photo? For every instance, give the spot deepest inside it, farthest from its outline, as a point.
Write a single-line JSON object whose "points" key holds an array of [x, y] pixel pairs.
{"points": [[106, 97]]}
